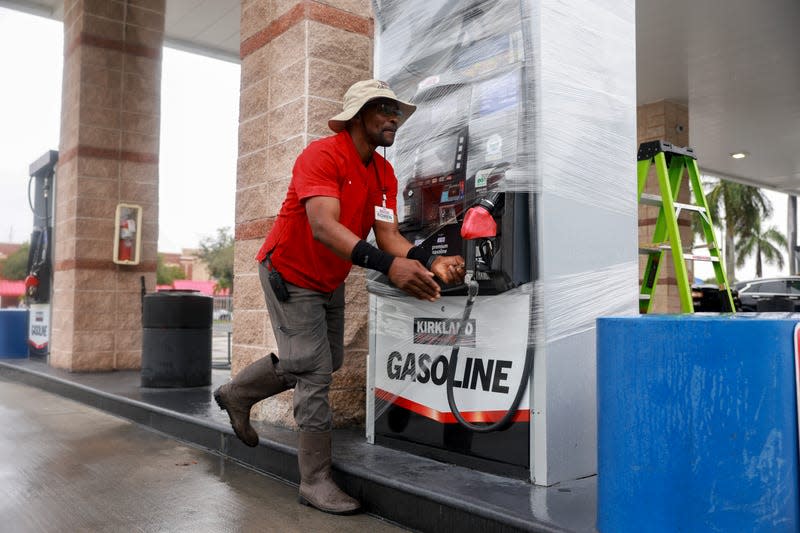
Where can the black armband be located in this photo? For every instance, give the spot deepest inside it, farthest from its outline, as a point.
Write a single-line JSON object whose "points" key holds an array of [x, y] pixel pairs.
{"points": [[367, 256], [421, 255]]}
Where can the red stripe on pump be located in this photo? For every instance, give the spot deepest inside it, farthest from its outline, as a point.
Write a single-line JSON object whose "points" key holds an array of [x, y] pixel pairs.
{"points": [[523, 415]]}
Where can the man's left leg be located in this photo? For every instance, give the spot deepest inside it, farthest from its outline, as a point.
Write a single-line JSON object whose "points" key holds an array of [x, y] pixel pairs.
{"points": [[311, 347], [315, 418]]}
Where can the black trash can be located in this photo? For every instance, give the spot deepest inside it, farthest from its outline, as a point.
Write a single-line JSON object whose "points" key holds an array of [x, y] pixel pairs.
{"points": [[176, 341]]}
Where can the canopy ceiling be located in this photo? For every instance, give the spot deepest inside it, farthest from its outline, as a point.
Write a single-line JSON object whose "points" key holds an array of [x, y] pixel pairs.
{"points": [[736, 63]]}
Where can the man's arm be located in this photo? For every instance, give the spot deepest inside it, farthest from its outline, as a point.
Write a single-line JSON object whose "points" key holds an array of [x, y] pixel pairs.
{"points": [[450, 269], [323, 216], [389, 238], [408, 275]]}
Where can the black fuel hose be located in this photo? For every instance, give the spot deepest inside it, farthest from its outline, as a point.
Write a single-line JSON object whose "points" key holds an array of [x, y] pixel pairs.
{"points": [[507, 419]]}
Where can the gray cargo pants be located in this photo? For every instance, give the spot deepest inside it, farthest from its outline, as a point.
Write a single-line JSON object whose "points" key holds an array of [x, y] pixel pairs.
{"points": [[309, 330]]}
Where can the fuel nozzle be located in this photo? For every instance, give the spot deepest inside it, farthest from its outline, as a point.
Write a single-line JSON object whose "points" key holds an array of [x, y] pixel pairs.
{"points": [[479, 220], [32, 285], [479, 226]]}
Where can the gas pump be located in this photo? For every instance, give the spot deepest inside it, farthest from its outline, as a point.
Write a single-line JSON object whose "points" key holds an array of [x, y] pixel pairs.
{"points": [[515, 158], [451, 379], [38, 282]]}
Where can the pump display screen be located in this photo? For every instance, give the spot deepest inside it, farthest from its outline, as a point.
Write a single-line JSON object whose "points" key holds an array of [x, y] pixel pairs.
{"points": [[441, 199], [437, 157], [429, 141], [486, 55], [453, 193], [495, 121], [496, 94]]}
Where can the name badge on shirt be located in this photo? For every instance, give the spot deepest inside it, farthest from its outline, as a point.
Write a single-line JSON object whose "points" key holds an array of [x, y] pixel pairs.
{"points": [[384, 214]]}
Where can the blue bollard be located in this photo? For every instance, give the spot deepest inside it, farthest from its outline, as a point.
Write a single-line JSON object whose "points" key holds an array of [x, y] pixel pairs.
{"points": [[13, 333], [697, 424]]}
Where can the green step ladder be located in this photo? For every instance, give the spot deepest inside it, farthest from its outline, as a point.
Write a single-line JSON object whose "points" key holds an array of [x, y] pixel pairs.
{"points": [[671, 161]]}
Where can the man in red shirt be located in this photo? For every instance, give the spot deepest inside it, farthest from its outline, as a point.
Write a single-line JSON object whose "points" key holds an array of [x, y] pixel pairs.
{"points": [[341, 189]]}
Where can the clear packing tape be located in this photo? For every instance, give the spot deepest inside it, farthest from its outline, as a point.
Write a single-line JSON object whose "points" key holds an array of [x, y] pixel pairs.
{"points": [[414, 340], [471, 67], [545, 126], [413, 343]]}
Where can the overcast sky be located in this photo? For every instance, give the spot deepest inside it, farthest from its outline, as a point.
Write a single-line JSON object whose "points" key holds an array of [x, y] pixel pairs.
{"points": [[199, 120]]}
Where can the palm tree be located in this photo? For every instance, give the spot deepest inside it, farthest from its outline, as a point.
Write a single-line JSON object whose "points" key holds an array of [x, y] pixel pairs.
{"points": [[763, 244], [736, 209]]}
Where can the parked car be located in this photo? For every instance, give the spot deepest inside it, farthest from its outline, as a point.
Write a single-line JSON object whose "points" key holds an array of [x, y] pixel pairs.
{"points": [[771, 294], [709, 298]]}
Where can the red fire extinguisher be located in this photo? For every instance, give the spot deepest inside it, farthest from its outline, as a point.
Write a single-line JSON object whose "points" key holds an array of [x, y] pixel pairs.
{"points": [[127, 231]]}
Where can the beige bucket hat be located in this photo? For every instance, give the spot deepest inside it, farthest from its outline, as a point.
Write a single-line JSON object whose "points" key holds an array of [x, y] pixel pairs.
{"points": [[362, 92]]}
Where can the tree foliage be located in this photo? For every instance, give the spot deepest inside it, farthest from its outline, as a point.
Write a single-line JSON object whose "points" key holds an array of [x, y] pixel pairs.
{"points": [[217, 253], [736, 209], [764, 244], [166, 274], [15, 266]]}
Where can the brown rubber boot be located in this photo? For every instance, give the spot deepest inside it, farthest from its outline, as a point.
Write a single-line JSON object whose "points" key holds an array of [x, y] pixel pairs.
{"points": [[254, 383], [317, 488]]}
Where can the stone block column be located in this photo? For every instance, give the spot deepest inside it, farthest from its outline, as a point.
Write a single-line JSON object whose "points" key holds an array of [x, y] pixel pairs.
{"points": [[666, 121], [298, 59], [108, 155]]}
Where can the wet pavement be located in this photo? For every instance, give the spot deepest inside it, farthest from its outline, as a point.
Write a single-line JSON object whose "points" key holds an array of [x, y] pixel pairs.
{"points": [[414, 491], [65, 466]]}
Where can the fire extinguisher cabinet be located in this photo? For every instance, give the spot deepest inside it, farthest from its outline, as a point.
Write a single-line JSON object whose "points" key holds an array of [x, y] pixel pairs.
{"points": [[697, 423], [176, 341]]}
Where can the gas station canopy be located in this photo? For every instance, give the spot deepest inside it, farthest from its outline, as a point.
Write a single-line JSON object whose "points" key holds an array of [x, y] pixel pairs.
{"points": [[735, 64]]}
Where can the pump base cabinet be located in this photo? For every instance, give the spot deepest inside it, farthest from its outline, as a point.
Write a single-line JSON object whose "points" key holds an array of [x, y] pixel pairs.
{"points": [[413, 345]]}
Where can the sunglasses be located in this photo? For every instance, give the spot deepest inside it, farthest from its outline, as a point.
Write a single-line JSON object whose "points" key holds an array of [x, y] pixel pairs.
{"points": [[389, 110]]}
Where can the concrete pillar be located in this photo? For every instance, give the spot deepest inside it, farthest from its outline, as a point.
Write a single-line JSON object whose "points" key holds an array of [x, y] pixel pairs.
{"points": [[108, 155], [298, 59], [667, 121]]}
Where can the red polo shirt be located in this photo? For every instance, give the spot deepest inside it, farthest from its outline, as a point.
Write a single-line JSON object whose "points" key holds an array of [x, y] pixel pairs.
{"points": [[327, 167]]}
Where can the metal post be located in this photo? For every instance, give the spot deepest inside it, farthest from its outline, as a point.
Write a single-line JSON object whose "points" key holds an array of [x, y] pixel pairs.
{"points": [[791, 225]]}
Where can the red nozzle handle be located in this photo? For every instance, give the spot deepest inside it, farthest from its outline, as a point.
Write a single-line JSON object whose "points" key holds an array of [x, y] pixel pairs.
{"points": [[478, 224]]}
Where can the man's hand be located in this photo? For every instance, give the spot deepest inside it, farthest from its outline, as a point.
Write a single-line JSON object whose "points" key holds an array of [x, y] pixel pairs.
{"points": [[449, 268], [411, 277]]}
